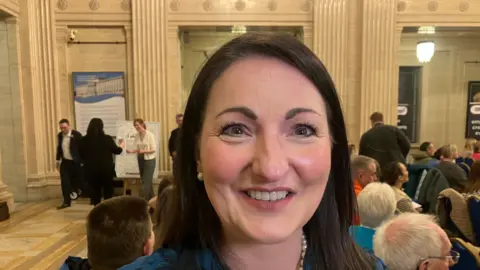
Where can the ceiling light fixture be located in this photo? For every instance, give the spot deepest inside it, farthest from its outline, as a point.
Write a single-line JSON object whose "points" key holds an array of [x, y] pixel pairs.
{"points": [[425, 51], [239, 29]]}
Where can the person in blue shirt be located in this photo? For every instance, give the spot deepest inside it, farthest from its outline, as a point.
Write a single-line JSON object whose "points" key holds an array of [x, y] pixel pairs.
{"points": [[376, 204], [262, 179]]}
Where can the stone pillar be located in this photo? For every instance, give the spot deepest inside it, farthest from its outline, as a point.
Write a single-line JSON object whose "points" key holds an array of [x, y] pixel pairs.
{"points": [[149, 68], [130, 73], [41, 89], [174, 85], [330, 40], [5, 196], [11, 118], [66, 96], [379, 85]]}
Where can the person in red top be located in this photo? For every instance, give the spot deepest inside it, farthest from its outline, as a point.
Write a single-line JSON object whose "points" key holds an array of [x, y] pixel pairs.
{"points": [[364, 172]]}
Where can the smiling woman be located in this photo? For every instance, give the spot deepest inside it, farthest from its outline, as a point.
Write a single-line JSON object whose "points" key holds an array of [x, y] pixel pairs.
{"points": [[259, 183]]}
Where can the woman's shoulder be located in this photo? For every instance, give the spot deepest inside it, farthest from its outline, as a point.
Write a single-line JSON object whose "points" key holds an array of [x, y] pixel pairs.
{"points": [[150, 134], [161, 259]]}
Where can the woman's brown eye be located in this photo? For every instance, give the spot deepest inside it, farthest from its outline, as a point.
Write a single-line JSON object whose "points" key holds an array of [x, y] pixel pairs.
{"points": [[304, 131], [234, 130]]}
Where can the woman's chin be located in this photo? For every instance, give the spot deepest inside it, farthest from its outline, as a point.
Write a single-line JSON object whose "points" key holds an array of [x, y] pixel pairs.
{"points": [[268, 233]]}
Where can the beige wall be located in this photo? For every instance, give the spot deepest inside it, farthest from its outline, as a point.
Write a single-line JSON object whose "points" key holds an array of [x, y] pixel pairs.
{"points": [[193, 52], [444, 90], [97, 49], [359, 53]]}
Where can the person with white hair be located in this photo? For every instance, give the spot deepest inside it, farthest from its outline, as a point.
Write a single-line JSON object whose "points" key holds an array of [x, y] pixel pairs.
{"points": [[414, 241], [376, 204]]}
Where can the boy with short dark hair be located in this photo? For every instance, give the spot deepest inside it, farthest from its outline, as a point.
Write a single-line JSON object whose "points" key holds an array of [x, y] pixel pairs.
{"points": [[119, 230]]}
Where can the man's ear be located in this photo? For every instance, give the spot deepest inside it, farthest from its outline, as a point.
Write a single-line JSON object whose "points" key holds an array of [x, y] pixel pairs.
{"points": [[148, 247], [423, 265]]}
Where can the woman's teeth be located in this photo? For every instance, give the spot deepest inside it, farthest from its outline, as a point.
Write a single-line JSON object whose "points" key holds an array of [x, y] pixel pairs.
{"points": [[267, 196]]}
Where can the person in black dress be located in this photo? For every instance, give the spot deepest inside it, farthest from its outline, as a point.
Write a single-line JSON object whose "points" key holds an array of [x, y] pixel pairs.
{"points": [[97, 150]]}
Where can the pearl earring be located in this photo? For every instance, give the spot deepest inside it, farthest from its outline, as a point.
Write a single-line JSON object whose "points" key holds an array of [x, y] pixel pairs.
{"points": [[200, 177]]}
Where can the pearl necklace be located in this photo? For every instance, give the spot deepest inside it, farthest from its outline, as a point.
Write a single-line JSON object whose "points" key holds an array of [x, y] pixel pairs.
{"points": [[304, 250]]}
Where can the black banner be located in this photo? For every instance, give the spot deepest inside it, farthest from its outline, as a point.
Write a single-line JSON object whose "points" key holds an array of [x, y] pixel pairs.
{"points": [[473, 111], [408, 81]]}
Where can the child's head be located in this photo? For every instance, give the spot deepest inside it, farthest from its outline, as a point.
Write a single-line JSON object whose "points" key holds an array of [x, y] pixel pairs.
{"points": [[119, 230]]}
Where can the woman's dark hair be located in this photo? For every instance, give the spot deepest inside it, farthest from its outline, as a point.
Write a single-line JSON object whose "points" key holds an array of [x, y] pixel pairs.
{"points": [[162, 208], [424, 146], [391, 172], [95, 128], [140, 122], [194, 224], [439, 153], [474, 178]]}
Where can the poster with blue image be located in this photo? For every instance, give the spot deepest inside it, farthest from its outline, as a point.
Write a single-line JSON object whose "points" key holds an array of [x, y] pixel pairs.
{"points": [[99, 95]]}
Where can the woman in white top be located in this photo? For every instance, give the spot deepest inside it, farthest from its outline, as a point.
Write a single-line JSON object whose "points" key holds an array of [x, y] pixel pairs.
{"points": [[146, 148]]}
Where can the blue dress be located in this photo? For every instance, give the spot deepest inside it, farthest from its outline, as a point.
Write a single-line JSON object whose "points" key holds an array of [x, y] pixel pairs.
{"points": [[163, 258]]}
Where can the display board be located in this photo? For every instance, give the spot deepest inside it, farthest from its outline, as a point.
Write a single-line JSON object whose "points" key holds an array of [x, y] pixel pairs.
{"points": [[472, 127], [99, 95], [126, 165]]}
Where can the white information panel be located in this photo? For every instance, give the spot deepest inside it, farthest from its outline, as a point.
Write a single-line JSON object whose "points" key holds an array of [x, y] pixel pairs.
{"points": [[126, 165]]}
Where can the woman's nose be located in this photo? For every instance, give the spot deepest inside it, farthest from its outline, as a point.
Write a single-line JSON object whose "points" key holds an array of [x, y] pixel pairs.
{"points": [[270, 160]]}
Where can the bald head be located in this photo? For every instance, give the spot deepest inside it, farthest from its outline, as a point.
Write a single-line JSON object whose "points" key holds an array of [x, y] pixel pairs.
{"points": [[406, 240]]}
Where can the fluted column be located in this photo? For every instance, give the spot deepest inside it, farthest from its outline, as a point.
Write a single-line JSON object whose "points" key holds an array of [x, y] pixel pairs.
{"points": [[130, 73], [5, 196], [330, 40], [149, 80], [66, 96], [41, 88], [378, 66], [11, 118]]}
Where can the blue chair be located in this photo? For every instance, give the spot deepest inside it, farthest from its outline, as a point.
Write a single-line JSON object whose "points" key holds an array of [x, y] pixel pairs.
{"points": [[474, 208], [467, 259]]}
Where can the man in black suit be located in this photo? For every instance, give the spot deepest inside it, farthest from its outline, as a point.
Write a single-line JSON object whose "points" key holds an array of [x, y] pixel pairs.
{"points": [[384, 143], [172, 142], [68, 160]]}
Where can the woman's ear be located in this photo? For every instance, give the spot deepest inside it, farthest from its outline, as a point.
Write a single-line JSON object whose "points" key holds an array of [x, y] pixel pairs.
{"points": [[197, 154]]}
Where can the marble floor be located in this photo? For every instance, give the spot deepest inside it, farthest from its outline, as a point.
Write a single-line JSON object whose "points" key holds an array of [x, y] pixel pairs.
{"points": [[38, 237]]}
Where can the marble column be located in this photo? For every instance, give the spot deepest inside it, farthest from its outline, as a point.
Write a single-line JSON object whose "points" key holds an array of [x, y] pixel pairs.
{"points": [[5, 196], [379, 88], [130, 73], [41, 89], [66, 97], [174, 82], [11, 117], [149, 68], [330, 40]]}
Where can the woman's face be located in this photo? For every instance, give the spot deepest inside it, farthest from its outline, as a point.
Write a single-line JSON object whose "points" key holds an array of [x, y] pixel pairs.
{"points": [[264, 150], [138, 126], [404, 176]]}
